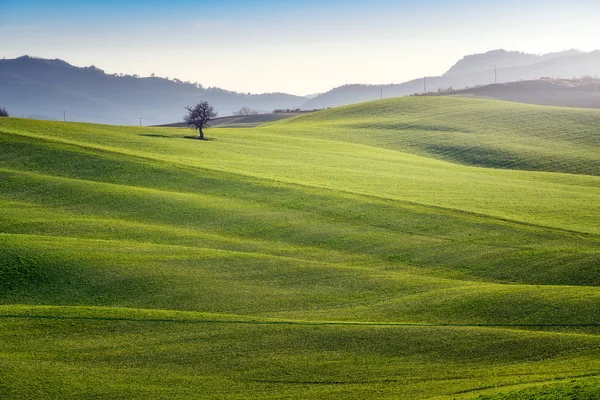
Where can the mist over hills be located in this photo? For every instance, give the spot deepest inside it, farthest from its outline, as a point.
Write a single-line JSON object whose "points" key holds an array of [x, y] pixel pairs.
{"points": [[501, 59], [472, 71], [32, 86], [41, 88]]}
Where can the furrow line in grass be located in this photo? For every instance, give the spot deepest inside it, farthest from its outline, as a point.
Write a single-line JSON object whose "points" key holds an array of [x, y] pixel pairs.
{"points": [[228, 239], [448, 210], [349, 265], [254, 254], [95, 148], [39, 175], [462, 392], [307, 262], [522, 385], [298, 323]]}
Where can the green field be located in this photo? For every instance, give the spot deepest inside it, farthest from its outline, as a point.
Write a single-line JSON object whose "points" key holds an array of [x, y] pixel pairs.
{"points": [[409, 248]]}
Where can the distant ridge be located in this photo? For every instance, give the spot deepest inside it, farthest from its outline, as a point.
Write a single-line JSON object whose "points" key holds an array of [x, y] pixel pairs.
{"points": [[580, 93], [502, 59], [475, 70], [43, 87]]}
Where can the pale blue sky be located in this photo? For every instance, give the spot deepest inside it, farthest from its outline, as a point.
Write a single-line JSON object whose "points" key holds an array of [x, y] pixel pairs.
{"points": [[297, 47]]}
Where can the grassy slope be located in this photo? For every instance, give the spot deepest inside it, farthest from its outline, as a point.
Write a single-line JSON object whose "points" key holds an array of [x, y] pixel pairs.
{"points": [[502, 135], [284, 224]]}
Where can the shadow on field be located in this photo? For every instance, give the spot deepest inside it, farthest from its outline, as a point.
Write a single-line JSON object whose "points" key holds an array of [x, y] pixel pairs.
{"points": [[155, 135], [197, 138]]}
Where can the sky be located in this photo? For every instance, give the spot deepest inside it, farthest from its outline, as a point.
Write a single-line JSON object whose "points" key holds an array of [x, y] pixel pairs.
{"points": [[299, 47]]}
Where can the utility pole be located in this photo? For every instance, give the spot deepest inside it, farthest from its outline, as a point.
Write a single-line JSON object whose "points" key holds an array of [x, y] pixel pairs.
{"points": [[64, 116], [425, 84], [381, 93], [496, 74], [140, 121]]}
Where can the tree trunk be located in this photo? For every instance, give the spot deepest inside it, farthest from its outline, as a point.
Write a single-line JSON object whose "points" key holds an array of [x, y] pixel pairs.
{"points": [[201, 134]]}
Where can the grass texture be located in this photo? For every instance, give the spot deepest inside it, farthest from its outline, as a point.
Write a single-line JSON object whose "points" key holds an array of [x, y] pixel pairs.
{"points": [[408, 248]]}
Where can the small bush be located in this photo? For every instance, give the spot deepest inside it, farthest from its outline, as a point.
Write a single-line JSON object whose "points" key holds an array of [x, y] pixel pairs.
{"points": [[3, 112]]}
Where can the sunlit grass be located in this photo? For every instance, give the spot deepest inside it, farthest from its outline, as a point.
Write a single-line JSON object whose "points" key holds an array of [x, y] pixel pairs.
{"points": [[287, 260]]}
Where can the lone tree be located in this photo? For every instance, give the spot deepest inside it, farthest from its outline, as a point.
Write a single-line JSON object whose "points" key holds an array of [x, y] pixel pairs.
{"points": [[3, 112], [199, 116]]}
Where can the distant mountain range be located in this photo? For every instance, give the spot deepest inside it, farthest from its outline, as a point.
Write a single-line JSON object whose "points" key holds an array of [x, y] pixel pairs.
{"points": [[474, 70], [43, 88], [476, 63]]}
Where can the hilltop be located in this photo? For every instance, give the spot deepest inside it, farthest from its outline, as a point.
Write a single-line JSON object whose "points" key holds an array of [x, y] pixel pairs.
{"points": [[484, 133], [409, 248]]}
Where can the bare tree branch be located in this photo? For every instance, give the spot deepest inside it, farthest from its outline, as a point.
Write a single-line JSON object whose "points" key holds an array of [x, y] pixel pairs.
{"points": [[199, 116]]}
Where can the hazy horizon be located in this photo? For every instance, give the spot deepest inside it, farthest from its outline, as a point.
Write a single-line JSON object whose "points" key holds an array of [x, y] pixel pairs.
{"points": [[284, 46]]}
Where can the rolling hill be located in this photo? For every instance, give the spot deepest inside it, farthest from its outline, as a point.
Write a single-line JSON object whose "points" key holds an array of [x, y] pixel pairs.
{"points": [[505, 135], [548, 92], [424, 247]]}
